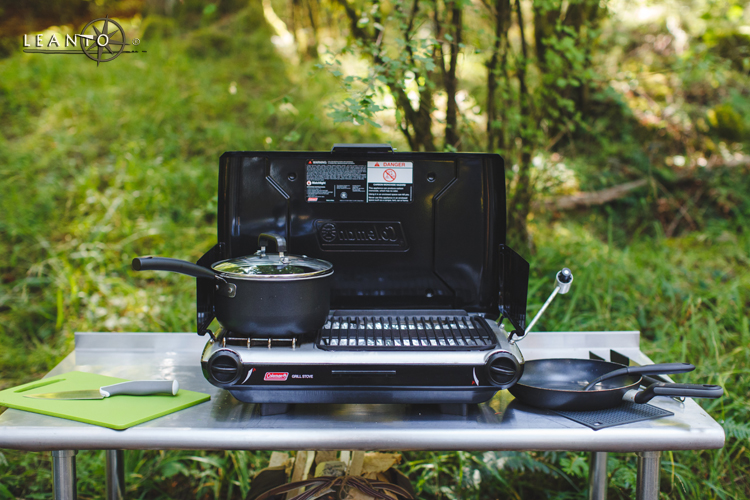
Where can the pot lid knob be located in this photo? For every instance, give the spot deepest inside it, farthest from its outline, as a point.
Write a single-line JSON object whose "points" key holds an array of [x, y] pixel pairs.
{"points": [[280, 244]]}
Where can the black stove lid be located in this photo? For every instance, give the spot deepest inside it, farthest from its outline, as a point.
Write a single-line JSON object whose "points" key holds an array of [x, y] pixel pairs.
{"points": [[403, 230]]}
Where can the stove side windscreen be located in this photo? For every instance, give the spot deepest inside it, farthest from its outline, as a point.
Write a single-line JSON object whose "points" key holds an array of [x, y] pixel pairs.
{"points": [[514, 288]]}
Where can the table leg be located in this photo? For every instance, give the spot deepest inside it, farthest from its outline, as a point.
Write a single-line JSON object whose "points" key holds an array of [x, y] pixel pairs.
{"points": [[598, 475], [64, 475], [115, 474], [647, 486]]}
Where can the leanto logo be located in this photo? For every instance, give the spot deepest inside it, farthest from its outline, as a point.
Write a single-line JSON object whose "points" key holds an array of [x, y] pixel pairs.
{"points": [[101, 40]]}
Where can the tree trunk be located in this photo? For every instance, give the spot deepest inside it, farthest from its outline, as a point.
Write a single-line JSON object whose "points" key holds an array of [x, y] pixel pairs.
{"points": [[546, 15], [418, 129], [449, 76], [312, 46], [293, 21], [500, 45], [423, 123], [520, 203], [418, 123]]}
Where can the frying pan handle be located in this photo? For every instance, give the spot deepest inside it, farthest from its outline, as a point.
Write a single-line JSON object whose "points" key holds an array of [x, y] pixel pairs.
{"points": [[173, 265], [280, 242], [661, 369], [687, 390], [657, 369]]}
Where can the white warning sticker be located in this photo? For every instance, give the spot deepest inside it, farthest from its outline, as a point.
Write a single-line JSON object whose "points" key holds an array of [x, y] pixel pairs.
{"points": [[389, 181], [390, 172]]}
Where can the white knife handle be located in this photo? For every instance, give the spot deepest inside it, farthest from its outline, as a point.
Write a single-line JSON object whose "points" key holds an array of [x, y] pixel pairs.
{"points": [[141, 388]]}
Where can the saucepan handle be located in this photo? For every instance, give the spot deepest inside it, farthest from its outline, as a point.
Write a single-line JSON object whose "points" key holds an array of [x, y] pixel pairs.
{"points": [[173, 265], [686, 390]]}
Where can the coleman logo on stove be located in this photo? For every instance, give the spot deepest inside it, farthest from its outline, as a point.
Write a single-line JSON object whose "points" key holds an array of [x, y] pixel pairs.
{"points": [[276, 376], [348, 234]]}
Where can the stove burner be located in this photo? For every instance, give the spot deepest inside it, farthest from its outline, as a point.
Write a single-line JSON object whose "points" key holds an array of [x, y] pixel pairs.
{"points": [[405, 333]]}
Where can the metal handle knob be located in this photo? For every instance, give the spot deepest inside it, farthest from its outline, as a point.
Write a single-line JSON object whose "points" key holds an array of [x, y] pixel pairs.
{"points": [[280, 243], [564, 279]]}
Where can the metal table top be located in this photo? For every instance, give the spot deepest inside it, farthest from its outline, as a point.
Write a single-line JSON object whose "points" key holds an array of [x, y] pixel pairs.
{"points": [[225, 423]]}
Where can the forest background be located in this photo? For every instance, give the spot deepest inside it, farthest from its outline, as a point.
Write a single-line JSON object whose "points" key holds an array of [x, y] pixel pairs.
{"points": [[625, 128]]}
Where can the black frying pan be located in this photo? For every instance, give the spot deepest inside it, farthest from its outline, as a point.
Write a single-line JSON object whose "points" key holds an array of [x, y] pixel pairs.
{"points": [[559, 384]]}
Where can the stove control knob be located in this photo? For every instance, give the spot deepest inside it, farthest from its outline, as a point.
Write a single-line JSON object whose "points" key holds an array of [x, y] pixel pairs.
{"points": [[225, 366], [503, 369]]}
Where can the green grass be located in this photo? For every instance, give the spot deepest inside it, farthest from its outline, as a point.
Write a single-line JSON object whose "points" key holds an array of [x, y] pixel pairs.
{"points": [[688, 298], [99, 165], [102, 164], [149, 474]]}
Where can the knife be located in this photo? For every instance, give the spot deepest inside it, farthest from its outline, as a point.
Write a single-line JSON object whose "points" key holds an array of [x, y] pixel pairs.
{"points": [[133, 388]]}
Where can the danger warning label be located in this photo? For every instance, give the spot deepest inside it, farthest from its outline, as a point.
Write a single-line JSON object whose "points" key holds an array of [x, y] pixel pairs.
{"points": [[389, 181], [343, 181]]}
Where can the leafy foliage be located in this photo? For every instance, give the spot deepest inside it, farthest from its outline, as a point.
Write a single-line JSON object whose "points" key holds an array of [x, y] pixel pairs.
{"points": [[120, 161], [149, 474]]}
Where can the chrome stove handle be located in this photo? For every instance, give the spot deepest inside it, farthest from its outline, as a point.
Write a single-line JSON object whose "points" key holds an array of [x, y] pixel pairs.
{"points": [[563, 280]]}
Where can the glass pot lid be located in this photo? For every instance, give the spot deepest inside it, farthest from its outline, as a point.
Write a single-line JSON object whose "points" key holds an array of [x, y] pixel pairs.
{"points": [[273, 266]]}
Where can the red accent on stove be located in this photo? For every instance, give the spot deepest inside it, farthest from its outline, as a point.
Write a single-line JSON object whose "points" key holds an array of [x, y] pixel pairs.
{"points": [[276, 376]]}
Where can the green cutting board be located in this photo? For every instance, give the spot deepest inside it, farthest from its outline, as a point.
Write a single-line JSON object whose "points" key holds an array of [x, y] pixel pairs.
{"points": [[116, 412]]}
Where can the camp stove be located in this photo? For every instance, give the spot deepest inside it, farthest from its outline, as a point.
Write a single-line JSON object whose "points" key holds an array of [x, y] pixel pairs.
{"points": [[422, 278]]}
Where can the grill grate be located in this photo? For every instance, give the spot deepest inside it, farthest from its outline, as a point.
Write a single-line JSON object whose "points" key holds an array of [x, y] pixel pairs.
{"points": [[405, 333]]}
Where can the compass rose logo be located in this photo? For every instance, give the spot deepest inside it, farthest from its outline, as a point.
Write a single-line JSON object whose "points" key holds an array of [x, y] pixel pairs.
{"points": [[101, 40], [108, 42]]}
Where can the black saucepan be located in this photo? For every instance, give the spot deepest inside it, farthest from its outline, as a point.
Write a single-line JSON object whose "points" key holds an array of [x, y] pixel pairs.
{"points": [[559, 384], [262, 295]]}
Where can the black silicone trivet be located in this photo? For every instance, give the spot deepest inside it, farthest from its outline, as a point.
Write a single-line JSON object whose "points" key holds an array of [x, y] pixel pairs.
{"points": [[625, 413]]}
